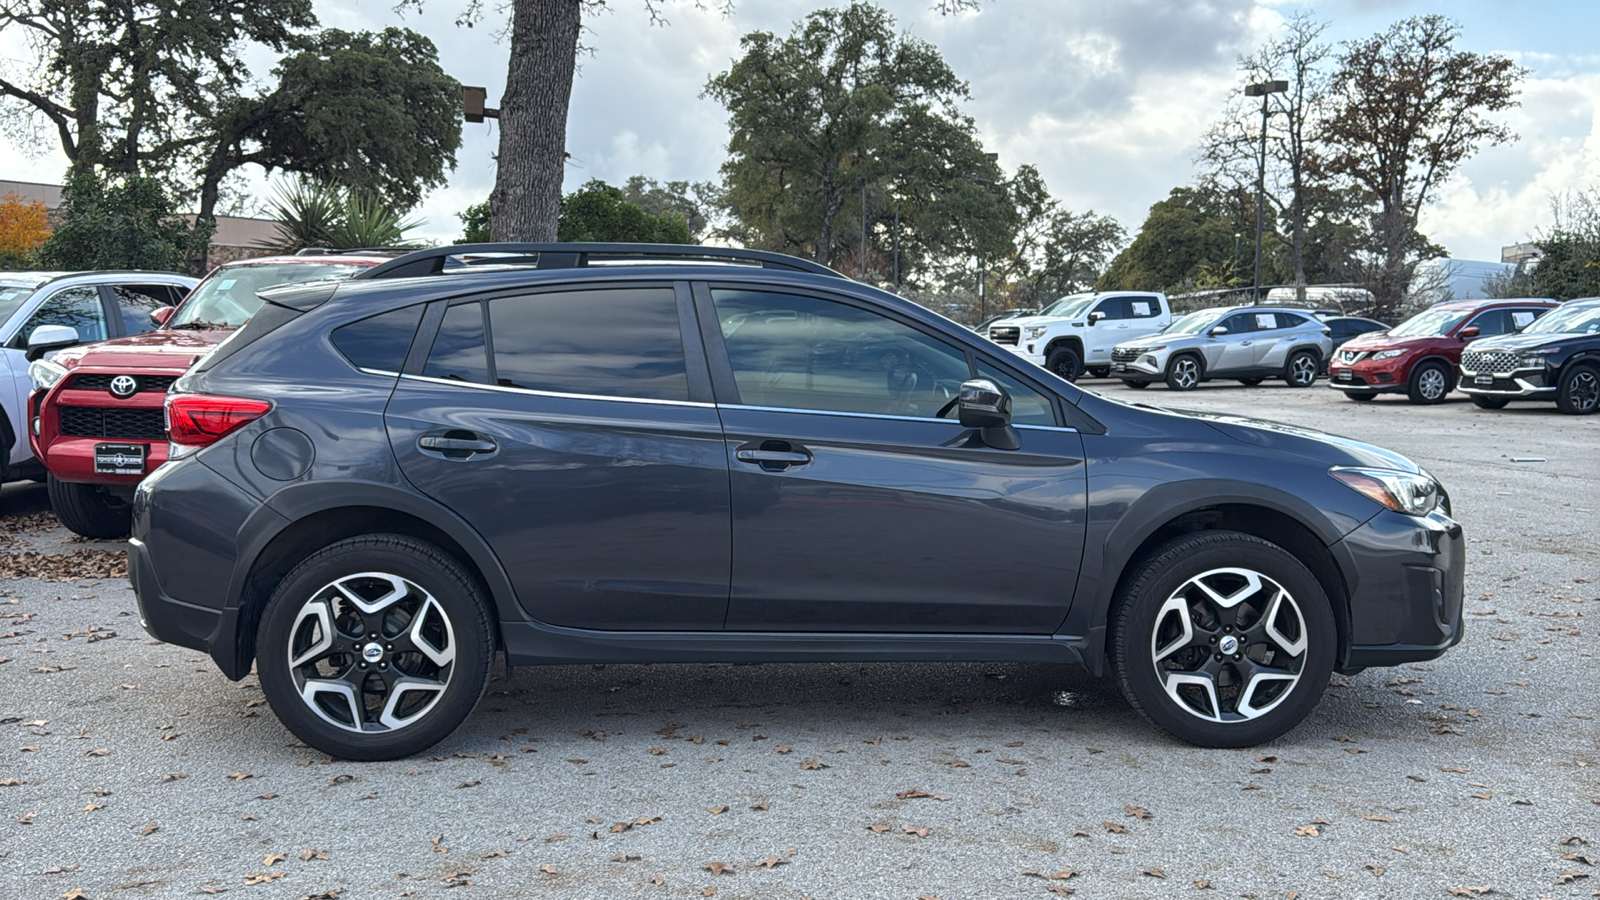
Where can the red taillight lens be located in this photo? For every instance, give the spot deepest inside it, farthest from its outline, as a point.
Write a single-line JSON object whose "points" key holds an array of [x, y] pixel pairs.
{"points": [[196, 420]]}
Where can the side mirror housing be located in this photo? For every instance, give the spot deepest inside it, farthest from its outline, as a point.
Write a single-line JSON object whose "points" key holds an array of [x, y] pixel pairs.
{"points": [[46, 338], [159, 317], [1468, 333], [1096, 316], [1219, 330], [985, 406]]}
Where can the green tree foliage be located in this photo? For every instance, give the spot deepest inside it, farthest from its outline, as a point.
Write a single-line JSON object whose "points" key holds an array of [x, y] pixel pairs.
{"points": [[124, 224], [694, 203], [1054, 250], [474, 224], [312, 213], [840, 123], [1187, 242], [598, 212], [1408, 109], [1570, 266]]}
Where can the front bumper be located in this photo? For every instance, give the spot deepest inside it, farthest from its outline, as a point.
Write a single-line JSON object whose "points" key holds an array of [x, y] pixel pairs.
{"points": [[1368, 377], [1407, 589], [1145, 365], [1525, 382]]}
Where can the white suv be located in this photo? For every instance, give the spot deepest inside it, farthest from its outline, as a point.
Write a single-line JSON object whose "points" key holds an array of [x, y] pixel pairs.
{"points": [[1076, 333], [42, 311]]}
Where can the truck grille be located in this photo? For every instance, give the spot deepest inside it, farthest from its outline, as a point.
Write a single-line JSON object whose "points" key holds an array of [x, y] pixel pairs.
{"points": [[1489, 362], [98, 381], [1124, 354], [1005, 334], [114, 422]]}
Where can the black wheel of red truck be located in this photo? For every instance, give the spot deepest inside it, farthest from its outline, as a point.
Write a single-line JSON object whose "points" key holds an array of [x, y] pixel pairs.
{"points": [[89, 509]]}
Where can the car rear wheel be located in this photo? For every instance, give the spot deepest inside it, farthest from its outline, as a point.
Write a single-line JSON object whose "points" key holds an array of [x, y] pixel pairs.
{"points": [[89, 509], [1579, 392], [1302, 368], [1183, 372], [1489, 402], [1223, 639], [375, 647], [1430, 382], [1066, 362]]}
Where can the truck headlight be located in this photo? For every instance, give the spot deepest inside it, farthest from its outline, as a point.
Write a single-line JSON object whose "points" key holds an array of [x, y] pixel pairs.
{"points": [[1037, 331], [1412, 493], [45, 374]]}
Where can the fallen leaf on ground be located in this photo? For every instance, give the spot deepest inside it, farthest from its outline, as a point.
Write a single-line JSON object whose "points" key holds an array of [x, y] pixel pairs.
{"points": [[1114, 828], [1137, 812], [916, 794], [310, 853], [262, 877], [716, 810], [913, 829], [1155, 873], [718, 868], [1307, 831], [272, 859]]}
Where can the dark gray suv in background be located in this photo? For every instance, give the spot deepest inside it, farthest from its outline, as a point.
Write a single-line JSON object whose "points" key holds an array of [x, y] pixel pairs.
{"points": [[625, 453]]}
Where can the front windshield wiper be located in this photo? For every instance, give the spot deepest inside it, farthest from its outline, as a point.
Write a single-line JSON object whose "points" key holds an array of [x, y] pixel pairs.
{"points": [[201, 325]]}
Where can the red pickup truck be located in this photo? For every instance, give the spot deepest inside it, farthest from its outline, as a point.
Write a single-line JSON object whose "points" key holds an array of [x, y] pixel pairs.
{"points": [[98, 424]]}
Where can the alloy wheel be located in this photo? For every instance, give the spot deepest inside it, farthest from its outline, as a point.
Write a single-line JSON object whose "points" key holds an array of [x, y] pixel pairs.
{"points": [[1229, 645], [1185, 373], [371, 652], [1583, 391], [1431, 383], [1303, 370]]}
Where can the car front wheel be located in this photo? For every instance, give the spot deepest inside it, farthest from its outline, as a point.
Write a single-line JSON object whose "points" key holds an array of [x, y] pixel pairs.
{"points": [[1483, 402], [1223, 639], [89, 509], [1431, 382], [375, 647], [1579, 392], [1066, 362], [1183, 373]]}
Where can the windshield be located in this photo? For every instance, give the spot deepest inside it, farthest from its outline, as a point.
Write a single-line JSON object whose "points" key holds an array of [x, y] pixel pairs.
{"points": [[11, 297], [1576, 320], [1069, 307], [1193, 323], [1429, 323], [228, 298]]}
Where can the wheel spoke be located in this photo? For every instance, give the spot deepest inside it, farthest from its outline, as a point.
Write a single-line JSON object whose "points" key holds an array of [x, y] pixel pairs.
{"points": [[314, 689], [402, 687], [431, 614], [398, 588], [1282, 603], [320, 617], [1175, 681]]}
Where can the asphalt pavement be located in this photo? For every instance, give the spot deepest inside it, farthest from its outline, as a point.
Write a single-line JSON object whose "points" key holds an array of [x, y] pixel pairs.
{"points": [[134, 769]]}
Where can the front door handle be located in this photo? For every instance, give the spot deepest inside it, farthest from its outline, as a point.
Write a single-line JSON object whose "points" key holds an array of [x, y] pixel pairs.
{"points": [[457, 444], [773, 456], [1246, 343]]}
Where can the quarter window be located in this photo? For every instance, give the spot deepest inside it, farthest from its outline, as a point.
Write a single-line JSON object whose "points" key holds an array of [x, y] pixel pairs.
{"points": [[458, 352], [610, 343], [380, 342], [795, 352]]}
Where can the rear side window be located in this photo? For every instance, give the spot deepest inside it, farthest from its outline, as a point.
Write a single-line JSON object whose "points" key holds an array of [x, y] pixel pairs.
{"points": [[379, 342], [459, 352], [616, 342]]}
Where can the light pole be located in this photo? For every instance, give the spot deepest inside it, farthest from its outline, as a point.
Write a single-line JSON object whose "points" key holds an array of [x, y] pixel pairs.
{"points": [[1261, 89]]}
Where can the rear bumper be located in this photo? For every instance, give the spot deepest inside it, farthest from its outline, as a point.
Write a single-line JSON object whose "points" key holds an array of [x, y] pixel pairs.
{"points": [[1406, 596]]}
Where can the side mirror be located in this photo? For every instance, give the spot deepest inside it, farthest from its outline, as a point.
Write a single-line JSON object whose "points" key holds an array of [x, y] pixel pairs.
{"points": [[1468, 333], [1217, 331], [159, 317], [46, 338], [1096, 316], [985, 406]]}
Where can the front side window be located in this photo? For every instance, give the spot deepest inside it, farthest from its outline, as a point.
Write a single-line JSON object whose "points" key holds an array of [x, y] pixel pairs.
{"points": [[616, 342], [78, 307], [1244, 323], [1490, 322], [795, 352], [1113, 308]]}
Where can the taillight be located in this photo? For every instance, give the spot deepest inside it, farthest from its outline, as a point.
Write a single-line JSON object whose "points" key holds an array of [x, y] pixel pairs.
{"points": [[198, 420]]}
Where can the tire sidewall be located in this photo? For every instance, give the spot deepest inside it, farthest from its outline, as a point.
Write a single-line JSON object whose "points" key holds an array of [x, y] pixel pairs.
{"points": [[1061, 354], [417, 561], [1414, 390], [1162, 573], [1567, 382], [1288, 369]]}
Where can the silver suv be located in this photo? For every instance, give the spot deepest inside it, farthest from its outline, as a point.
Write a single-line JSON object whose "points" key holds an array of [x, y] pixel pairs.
{"points": [[1247, 343], [41, 311]]}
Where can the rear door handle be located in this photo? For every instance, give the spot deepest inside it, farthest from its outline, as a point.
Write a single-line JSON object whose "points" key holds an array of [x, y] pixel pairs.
{"points": [[773, 456], [457, 444]]}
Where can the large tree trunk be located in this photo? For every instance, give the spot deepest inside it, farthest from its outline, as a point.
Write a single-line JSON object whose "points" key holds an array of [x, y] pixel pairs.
{"points": [[533, 120]]}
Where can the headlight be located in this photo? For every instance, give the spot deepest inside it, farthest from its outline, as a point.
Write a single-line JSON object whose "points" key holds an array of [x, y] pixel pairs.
{"points": [[1037, 331], [44, 374], [1387, 354], [1154, 349], [1415, 494], [1536, 357]]}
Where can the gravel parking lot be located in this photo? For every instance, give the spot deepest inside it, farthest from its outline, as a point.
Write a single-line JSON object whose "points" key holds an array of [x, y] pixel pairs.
{"points": [[130, 768]]}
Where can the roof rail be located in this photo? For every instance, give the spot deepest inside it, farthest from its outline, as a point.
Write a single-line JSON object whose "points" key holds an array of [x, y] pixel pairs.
{"points": [[579, 255], [334, 251]]}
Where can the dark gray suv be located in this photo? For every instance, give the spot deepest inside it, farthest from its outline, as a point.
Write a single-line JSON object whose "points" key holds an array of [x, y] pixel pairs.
{"points": [[626, 453]]}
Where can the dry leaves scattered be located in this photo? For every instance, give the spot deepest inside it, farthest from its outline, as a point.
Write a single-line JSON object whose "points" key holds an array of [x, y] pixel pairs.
{"points": [[79, 564]]}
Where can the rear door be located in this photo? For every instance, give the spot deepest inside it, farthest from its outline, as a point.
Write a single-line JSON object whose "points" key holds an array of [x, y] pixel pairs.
{"points": [[856, 506], [573, 429]]}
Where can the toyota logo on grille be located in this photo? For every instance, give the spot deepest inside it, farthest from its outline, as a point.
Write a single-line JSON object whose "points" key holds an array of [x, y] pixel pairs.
{"points": [[124, 386]]}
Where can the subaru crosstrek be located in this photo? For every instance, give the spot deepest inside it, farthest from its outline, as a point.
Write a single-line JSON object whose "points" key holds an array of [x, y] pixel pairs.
{"points": [[631, 453]]}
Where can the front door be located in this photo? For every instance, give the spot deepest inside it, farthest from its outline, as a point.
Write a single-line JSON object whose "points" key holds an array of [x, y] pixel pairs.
{"points": [[855, 506], [576, 446]]}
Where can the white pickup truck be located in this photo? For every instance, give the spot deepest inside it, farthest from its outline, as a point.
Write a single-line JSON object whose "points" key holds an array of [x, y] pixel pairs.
{"points": [[1076, 333]]}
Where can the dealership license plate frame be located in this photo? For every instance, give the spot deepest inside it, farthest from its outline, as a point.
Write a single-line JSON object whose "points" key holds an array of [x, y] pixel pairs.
{"points": [[114, 459]]}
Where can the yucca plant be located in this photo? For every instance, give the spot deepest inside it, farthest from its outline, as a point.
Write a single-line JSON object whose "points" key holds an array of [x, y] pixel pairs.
{"points": [[367, 221], [312, 213]]}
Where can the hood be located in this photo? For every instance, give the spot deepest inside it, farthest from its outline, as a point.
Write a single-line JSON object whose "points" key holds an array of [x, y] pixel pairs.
{"points": [[1381, 340], [1158, 340], [162, 349], [1036, 320], [1515, 342], [1319, 445]]}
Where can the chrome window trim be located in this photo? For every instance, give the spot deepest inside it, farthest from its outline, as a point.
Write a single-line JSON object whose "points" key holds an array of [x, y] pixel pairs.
{"points": [[555, 394], [856, 415]]}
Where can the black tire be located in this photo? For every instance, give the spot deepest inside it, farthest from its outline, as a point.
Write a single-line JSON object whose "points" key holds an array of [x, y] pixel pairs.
{"points": [[1251, 382], [1430, 382], [89, 509], [1136, 383], [1302, 368], [1066, 362], [1100, 371], [1161, 596], [1489, 402], [1578, 393], [1361, 396], [1185, 372], [432, 610]]}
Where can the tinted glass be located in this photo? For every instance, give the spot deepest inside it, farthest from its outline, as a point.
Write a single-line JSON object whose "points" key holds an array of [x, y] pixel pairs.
{"points": [[1291, 320], [137, 301], [792, 352], [227, 298], [458, 352], [1241, 323], [611, 343], [78, 307], [1492, 321], [380, 342], [1028, 406], [1114, 307]]}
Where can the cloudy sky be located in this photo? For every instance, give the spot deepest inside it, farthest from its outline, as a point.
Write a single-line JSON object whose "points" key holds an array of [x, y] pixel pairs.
{"points": [[1108, 99]]}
